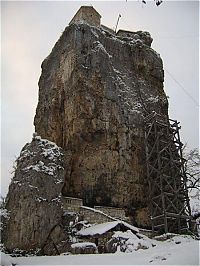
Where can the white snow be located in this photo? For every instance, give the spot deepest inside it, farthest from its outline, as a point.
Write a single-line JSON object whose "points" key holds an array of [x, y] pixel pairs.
{"points": [[16, 182], [85, 224], [126, 92], [33, 187], [117, 71], [58, 181], [83, 245], [180, 239], [131, 227], [41, 167], [95, 33], [25, 153], [97, 229], [46, 141], [165, 253], [118, 39], [99, 46], [153, 99], [40, 199], [124, 235], [103, 228], [50, 151], [58, 199], [6, 260], [130, 242], [3, 214], [136, 42]]}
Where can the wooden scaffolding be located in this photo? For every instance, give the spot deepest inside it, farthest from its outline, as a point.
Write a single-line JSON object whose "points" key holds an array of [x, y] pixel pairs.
{"points": [[168, 195]]}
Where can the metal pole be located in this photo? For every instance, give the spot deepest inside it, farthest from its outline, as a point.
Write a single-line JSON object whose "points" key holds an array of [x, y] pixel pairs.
{"points": [[117, 23]]}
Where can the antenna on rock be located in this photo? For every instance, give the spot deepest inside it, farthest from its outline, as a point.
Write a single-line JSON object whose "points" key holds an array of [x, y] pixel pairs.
{"points": [[117, 23]]}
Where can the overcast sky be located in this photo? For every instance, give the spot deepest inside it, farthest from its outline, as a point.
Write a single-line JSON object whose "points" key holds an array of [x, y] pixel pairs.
{"points": [[30, 30]]}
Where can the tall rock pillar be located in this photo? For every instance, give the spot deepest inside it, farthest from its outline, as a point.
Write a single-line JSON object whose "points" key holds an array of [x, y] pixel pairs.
{"points": [[94, 92]]}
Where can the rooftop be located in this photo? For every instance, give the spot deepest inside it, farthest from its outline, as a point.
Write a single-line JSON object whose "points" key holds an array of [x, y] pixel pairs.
{"points": [[102, 228]]}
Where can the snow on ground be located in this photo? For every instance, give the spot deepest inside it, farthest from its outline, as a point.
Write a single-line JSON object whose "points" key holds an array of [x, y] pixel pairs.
{"points": [[6, 260], [164, 253]]}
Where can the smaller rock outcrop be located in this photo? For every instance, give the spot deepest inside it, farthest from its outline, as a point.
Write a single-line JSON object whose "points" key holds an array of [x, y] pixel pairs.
{"points": [[34, 200]]}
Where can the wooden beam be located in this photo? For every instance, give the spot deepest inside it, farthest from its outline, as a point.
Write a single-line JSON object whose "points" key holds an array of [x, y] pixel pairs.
{"points": [[165, 172]]}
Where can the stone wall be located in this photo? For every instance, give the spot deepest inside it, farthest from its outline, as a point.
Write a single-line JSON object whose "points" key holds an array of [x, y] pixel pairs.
{"points": [[118, 213], [94, 216], [98, 214], [72, 204]]}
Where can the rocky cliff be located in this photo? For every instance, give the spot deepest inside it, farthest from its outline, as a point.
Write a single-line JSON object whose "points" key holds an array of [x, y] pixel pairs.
{"points": [[94, 92]]}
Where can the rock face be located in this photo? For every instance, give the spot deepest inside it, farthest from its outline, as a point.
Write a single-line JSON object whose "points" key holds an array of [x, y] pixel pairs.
{"points": [[94, 92], [34, 200]]}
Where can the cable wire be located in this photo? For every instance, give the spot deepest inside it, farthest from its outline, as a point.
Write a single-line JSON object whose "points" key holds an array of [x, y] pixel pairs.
{"points": [[181, 86]]}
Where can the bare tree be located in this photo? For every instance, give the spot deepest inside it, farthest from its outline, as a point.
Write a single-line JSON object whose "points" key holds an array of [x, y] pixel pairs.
{"points": [[192, 168]]}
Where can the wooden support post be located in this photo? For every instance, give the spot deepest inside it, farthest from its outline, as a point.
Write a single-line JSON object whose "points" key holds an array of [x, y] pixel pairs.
{"points": [[168, 198]]}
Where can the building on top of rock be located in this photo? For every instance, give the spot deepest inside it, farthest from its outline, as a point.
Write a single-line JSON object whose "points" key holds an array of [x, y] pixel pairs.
{"points": [[87, 14]]}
